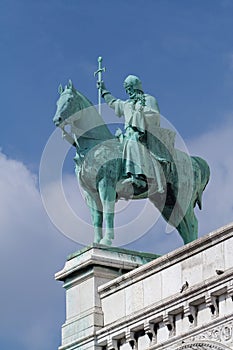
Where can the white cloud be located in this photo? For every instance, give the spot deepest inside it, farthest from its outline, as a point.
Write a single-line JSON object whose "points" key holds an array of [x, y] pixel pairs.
{"points": [[31, 251], [216, 148]]}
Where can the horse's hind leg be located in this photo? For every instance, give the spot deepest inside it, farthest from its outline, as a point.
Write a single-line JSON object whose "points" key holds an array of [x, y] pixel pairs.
{"points": [[186, 224], [188, 227]]}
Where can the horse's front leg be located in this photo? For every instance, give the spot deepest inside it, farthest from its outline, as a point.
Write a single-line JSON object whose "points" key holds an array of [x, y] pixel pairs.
{"points": [[107, 195], [97, 221], [94, 203]]}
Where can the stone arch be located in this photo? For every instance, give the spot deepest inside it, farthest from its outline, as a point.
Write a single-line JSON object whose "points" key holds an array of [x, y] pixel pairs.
{"points": [[203, 345]]}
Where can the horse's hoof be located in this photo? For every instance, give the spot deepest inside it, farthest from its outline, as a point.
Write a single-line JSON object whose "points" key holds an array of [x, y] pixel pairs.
{"points": [[97, 240], [161, 190], [106, 241], [127, 180]]}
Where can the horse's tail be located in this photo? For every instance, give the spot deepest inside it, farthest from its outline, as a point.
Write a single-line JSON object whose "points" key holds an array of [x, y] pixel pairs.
{"points": [[204, 179]]}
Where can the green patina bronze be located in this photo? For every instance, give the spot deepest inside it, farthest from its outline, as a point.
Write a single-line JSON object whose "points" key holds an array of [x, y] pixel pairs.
{"points": [[139, 163]]}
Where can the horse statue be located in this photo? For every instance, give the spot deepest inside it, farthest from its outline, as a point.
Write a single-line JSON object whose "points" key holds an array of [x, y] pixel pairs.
{"points": [[99, 171]]}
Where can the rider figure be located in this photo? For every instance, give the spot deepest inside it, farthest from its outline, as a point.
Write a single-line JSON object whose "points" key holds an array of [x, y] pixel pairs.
{"points": [[136, 109]]}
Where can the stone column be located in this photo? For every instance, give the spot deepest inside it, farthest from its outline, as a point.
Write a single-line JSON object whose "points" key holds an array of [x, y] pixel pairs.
{"points": [[83, 273]]}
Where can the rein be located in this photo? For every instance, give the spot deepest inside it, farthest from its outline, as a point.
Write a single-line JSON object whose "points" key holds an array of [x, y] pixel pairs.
{"points": [[75, 137]]}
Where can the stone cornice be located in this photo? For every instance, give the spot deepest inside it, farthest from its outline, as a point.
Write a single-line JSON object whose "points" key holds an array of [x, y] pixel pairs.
{"points": [[176, 256], [171, 305]]}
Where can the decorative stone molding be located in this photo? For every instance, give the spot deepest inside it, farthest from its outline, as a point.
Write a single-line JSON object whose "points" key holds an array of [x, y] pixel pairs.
{"points": [[202, 345], [168, 320], [151, 330], [191, 312], [211, 302], [230, 289], [222, 333], [130, 338], [112, 344]]}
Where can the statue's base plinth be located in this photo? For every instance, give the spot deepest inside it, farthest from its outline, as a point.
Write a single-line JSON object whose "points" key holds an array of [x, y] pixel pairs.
{"points": [[83, 273]]}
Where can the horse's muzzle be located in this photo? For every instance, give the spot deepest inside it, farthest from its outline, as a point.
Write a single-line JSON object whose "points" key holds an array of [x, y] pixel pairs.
{"points": [[57, 120]]}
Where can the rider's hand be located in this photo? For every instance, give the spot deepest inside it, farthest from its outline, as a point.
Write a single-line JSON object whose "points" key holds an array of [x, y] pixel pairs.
{"points": [[101, 85], [118, 132]]}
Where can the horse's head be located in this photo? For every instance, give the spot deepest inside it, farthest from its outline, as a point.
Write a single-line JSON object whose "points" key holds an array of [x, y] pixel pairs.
{"points": [[76, 111], [67, 105]]}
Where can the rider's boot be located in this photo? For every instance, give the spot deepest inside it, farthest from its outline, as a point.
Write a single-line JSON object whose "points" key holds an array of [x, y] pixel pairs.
{"points": [[136, 180]]}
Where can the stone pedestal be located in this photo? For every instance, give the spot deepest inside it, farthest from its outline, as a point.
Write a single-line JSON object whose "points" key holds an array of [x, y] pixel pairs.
{"points": [[83, 273]]}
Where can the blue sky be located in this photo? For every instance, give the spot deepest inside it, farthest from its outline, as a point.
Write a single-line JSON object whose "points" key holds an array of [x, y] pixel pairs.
{"points": [[183, 52]]}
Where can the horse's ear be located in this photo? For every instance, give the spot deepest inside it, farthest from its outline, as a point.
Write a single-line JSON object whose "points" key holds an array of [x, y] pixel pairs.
{"points": [[70, 84], [60, 89]]}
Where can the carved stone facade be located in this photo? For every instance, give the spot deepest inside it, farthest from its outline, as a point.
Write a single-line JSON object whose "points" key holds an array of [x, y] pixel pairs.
{"points": [[123, 300], [202, 346], [223, 333]]}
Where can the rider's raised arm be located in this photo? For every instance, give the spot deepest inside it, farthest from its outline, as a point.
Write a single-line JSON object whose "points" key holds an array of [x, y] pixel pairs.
{"points": [[112, 101]]}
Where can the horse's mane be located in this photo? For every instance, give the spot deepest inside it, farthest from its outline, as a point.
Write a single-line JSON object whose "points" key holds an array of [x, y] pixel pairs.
{"points": [[84, 102]]}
